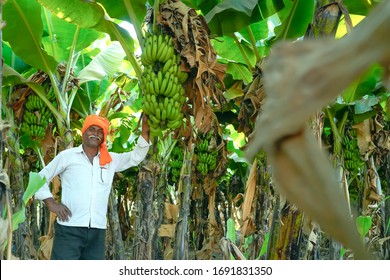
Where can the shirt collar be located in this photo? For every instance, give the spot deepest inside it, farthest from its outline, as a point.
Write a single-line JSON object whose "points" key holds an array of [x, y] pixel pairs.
{"points": [[79, 149]]}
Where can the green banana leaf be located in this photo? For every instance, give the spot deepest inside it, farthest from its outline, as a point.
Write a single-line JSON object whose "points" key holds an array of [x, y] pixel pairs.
{"points": [[23, 17], [364, 85], [104, 64], [34, 184], [86, 14], [360, 7], [231, 230], [295, 18], [364, 224], [90, 14], [230, 16], [228, 50], [239, 72], [62, 36], [133, 11]]}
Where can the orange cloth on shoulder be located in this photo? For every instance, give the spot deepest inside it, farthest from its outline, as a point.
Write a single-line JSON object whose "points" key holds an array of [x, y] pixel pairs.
{"points": [[104, 124]]}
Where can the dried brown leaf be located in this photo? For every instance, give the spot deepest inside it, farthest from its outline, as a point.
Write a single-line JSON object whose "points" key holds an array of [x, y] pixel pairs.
{"points": [[44, 251], [191, 38], [205, 252], [204, 119], [248, 199], [171, 212], [224, 246], [168, 252], [238, 255], [363, 135], [48, 145], [167, 230]]}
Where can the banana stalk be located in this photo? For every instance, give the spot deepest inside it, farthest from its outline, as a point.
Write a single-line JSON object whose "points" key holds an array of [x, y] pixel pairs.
{"points": [[248, 62], [181, 242], [253, 42], [14, 169]]}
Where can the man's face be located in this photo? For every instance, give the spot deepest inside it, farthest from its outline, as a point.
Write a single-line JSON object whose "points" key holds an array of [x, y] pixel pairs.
{"points": [[93, 136]]}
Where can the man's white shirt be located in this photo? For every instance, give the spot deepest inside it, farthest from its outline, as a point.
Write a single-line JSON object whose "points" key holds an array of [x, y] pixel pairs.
{"points": [[86, 186]]}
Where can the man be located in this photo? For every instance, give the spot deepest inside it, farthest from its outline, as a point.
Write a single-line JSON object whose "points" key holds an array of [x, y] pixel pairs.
{"points": [[86, 174]]}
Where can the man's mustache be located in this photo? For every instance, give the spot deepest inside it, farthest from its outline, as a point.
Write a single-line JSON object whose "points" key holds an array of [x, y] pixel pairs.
{"points": [[95, 136]]}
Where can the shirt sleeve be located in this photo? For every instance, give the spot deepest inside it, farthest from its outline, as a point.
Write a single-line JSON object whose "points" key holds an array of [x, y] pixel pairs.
{"points": [[49, 172], [126, 160]]}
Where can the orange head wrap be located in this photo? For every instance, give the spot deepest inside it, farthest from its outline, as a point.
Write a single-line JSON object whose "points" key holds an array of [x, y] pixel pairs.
{"points": [[103, 123]]}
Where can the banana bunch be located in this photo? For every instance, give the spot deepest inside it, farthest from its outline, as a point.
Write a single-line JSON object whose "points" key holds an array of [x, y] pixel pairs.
{"points": [[34, 103], [176, 162], [352, 159], [36, 117], [161, 83], [157, 48], [207, 160]]}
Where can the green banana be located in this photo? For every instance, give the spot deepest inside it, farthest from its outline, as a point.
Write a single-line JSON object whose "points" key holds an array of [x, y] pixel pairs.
{"points": [[174, 114], [164, 114], [155, 131], [175, 124], [182, 99], [164, 53], [183, 76], [167, 65], [164, 102], [156, 86], [154, 47], [168, 54], [152, 124], [149, 109], [158, 113], [159, 79], [151, 88], [155, 121], [164, 84], [169, 110], [149, 51], [161, 104], [161, 49], [168, 89], [172, 67], [176, 95], [154, 100]]}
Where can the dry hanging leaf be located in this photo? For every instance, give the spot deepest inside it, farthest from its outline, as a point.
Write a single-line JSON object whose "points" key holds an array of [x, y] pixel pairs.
{"points": [[46, 241], [228, 248], [247, 222], [191, 38], [167, 230], [168, 252], [205, 252], [363, 135], [251, 103], [44, 252], [224, 246], [171, 212]]}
